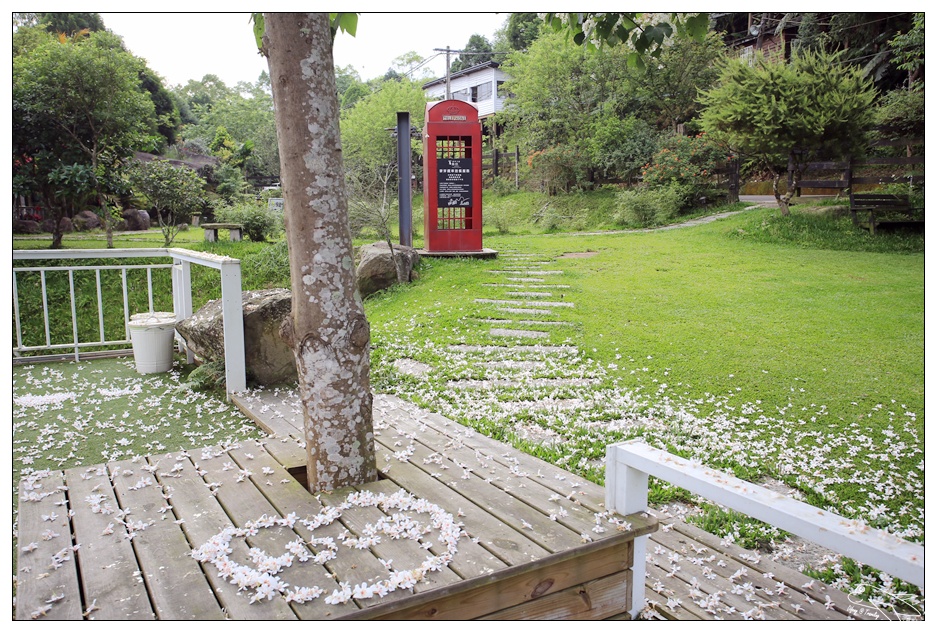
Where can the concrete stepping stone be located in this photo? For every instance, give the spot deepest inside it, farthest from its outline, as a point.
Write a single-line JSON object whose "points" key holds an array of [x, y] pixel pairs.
{"points": [[535, 323], [506, 301], [520, 349], [408, 366], [519, 365], [514, 286], [518, 333], [530, 294], [544, 382], [525, 310], [525, 280], [529, 272]]}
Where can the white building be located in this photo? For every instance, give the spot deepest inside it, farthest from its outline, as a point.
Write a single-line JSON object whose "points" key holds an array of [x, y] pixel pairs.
{"points": [[479, 85]]}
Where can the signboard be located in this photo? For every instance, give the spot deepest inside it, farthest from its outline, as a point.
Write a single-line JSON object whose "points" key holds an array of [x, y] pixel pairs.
{"points": [[275, 204], [454, 182]]}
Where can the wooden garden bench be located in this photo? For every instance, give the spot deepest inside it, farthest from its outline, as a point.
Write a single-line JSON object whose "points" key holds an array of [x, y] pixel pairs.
{"points": [[877, 204], [211, 231]]}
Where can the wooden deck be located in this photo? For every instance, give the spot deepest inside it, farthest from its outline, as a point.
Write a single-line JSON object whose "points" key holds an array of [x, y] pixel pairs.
{"points": [[537, 545], [115, 542]]}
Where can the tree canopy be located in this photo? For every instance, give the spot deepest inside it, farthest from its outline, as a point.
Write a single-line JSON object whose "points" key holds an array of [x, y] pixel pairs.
{"points": [[790, 113], [78, 101]]}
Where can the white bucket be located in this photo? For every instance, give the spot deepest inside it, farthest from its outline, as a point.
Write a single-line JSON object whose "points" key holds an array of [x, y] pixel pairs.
{"points": [[152, 335]]}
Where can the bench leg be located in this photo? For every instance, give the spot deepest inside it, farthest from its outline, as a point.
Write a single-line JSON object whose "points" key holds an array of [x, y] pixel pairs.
{"points": [[236, 234], [211, 234]]}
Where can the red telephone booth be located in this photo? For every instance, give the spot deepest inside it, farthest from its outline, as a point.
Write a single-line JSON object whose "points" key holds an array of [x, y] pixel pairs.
{"points": [[452, 177]]}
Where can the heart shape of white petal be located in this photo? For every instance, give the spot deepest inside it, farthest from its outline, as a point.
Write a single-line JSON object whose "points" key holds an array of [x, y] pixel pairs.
{"points": [[262, 578]]}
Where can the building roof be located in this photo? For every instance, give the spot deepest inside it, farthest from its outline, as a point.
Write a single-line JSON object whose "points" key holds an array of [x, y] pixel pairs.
{"points": [[461, 73]]}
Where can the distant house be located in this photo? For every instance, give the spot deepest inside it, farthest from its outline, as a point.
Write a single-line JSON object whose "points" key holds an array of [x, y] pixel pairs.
{"points": [[479, 85]]}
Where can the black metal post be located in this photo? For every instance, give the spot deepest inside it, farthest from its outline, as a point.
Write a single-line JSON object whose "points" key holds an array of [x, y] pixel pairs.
{"points": [[405, 161]]}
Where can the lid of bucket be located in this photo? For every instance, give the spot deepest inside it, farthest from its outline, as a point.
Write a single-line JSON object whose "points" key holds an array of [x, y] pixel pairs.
{"points": [[153, 319]]}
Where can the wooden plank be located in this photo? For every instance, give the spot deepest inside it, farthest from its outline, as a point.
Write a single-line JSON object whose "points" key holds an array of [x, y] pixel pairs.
{"points": [[110, 576], [269, 412], [203, 517], [589, 494], [471, 560], [550, 534], [289, 452], [590, 601], [291, 497], [509, 545], [402, 553], [243, 502], [519, 483], [514, 585], [742, 597], [814, 589], [177, 587], [46, 572], [737, 573]]}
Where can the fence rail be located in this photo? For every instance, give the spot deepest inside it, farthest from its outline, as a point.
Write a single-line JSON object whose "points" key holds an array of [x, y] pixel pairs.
{"points": [[630, 464], [180, 271]]}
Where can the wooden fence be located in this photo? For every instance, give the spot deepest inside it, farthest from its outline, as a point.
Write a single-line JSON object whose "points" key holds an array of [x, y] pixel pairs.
{"points": [[852, 174]]}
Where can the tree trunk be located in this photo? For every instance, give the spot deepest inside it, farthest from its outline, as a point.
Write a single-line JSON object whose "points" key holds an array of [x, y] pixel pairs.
{"points": [[329, 332], [783, 201]]}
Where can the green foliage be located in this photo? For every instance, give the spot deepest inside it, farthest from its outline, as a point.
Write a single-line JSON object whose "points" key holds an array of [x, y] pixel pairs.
{"points": [[786, 115], [366, 143], [478, 50], [522, 29], [812, 107], [174, 193], [561, 168], [258, 221], [669, 88], [825, 229], [651, 206], [640, 32], [77, 102], [619, 146], [208, 377], [688, 160]]}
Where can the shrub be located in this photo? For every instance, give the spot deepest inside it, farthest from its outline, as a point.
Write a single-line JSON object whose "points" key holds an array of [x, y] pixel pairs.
{"points": [[560, 169], [647, 206], [691, 161], [259, 223]]}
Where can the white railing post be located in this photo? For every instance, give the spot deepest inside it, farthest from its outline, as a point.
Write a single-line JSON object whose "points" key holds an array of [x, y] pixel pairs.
{"points": [[232, 310], [182, 296], [626, 493]]}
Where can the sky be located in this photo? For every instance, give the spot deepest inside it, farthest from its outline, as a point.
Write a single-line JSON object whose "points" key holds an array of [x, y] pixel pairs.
{"points": [[183, 46]]}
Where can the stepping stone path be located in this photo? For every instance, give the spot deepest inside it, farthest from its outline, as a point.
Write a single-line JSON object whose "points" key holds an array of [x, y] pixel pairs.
{"points": [[521, 376]]}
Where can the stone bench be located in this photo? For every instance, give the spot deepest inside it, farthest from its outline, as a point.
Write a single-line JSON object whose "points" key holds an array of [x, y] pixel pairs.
{"points": [[211, 231]]}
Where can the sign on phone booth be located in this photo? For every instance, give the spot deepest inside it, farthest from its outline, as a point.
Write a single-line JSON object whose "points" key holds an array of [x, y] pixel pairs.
{"points": [[452, 177]]}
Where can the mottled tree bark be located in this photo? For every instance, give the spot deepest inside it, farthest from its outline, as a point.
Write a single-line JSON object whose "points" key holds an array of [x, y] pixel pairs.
{"points": [[329, 331]]}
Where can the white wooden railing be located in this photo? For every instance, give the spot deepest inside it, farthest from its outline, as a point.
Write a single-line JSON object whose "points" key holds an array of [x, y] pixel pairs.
{"points": [[630, 464], [182, 260]]}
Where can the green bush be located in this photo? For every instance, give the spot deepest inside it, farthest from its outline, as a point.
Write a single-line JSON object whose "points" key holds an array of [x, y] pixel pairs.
{"points": [[259, 222], [690, 161], [649, 206]]}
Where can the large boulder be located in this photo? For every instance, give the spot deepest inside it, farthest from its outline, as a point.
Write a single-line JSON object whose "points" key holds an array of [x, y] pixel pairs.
{"points": [[269, 360], [136, 219], [26, 227], [86, 220], [377, 269]]}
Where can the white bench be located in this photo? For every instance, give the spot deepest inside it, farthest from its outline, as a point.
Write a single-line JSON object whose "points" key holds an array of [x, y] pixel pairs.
{"points": [[211, 231]]}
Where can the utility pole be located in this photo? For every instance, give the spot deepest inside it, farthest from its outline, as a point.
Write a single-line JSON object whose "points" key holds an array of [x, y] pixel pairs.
{"points": [[448, 73]]}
